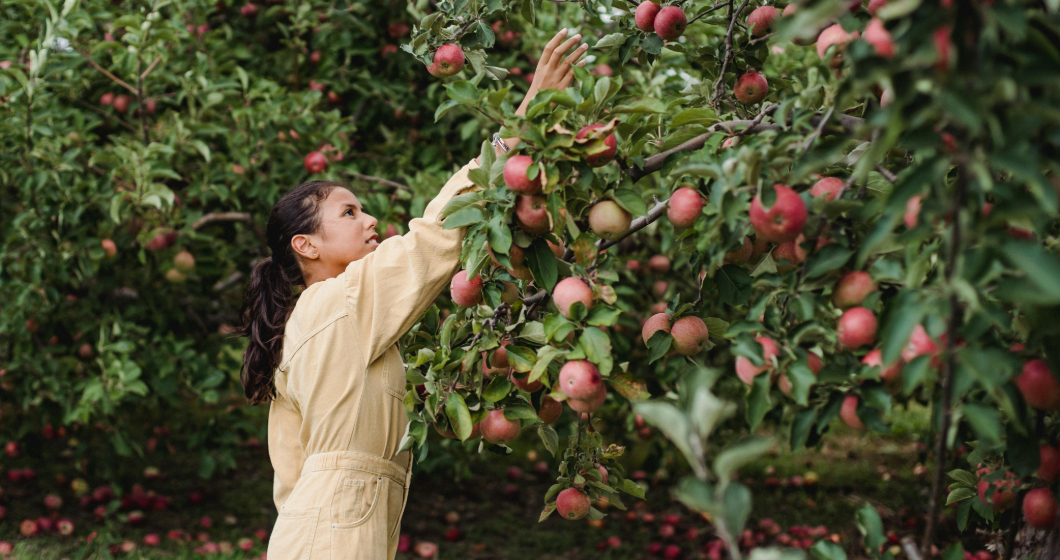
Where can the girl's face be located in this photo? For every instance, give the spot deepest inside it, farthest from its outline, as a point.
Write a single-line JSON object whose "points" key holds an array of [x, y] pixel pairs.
{"points": [[346, 234]]}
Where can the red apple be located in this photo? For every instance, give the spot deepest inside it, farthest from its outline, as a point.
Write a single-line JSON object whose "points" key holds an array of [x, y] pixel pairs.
{"points": [[827, 187], [570, 290], [248, 10], [741, 255], [752, 87], [448, 60], [657, 322], [912, 211], [1040, 507], [856, 328], [686, 204], [550, 409], [645, 16], [609, 220], [670, 23], [520, 381], [1049, 469], [875, 5], [784, 220], [659, 263], [919, 343], [890, 375], [1039, 386], [106, 99], [315, 162], [109, 247], [1004, 495], [690, 335], [580, 379], [498, 429], [465, 292], [607, 147], [397, 29], [531, 213], [760, 22], [745, 368], [515, 175], [591, 404], [852, 289], [880, 39], [848, 413], [121, 103], [573, 503], [834, 35]]}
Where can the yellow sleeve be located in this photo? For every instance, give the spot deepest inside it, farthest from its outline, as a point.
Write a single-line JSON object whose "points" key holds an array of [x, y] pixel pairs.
{"points": [[389, 289]]}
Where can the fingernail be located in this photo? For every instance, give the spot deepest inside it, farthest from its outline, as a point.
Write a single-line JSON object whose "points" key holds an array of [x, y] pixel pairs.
{"points": [[564, 30]]}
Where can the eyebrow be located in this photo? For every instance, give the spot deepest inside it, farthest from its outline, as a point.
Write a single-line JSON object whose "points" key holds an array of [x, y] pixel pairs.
{"points": [[350, 205]]}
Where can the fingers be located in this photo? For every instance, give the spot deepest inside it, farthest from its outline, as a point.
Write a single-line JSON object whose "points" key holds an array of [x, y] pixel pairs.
{"points": [[562, 49], [551, 45], [578, 52]]}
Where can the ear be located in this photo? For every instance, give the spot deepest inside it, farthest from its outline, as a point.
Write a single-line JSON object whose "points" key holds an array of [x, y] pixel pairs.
{"points": [[303, 246]]}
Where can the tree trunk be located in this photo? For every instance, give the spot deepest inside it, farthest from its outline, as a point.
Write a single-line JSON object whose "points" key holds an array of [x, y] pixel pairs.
{"points": [[1038, 544]]}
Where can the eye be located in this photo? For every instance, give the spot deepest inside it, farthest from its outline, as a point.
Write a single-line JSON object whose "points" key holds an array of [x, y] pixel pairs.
{"points": [[349, 211]]}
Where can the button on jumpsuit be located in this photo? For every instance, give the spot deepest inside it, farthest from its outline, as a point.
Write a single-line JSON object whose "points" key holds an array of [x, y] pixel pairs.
{"points": [[337, 421]]}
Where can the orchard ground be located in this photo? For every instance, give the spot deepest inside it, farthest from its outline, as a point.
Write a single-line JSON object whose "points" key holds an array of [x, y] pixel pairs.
{"points": [[496, 509]]}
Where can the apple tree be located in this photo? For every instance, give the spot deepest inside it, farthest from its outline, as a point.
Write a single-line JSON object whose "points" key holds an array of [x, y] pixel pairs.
{"points": [[860, 211]]}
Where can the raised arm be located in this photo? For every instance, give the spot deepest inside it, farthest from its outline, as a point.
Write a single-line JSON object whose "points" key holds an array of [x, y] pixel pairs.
{"points": [[389, 289]]}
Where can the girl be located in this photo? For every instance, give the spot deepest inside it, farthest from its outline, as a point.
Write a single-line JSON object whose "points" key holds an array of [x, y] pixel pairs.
{"points": [[327, 360]]}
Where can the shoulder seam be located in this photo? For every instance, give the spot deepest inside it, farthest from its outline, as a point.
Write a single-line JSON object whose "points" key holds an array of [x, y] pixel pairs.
{"points": [[310, 335]]}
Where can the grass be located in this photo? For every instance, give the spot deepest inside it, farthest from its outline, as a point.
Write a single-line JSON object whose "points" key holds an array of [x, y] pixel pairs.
{"points": [[852, 469]]}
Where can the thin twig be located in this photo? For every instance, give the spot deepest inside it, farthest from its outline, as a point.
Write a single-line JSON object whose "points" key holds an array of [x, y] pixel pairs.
{"points": [[951, 363], [719, 86], [151, 67], [106, 73], [891, 177], [705, 12], [140, 99], [380, 180], [820, 128], [105, 114], [460, 32], [222, 217]]}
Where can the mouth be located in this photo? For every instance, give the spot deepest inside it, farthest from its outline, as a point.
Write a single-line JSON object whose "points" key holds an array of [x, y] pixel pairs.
{"points": [[373, 240]]}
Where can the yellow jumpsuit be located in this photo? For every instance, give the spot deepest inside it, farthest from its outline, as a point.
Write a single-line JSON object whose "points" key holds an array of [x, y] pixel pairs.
{"points": [[335, 426]]}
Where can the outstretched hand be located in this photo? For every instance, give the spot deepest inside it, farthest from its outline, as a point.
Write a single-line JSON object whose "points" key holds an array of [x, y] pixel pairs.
{"points": [[555, 68]]}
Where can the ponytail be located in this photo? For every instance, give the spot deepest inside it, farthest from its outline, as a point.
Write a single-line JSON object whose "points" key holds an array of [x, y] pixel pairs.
{"points": [[270, 298]]}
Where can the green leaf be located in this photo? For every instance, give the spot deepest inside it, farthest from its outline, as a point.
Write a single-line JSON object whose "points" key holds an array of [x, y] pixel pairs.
{"points": [[827, 550], [521, 359], [549, 507], [986, 422], [603, 315], [463, 92], [668, 420], [758, 402], [701, 116], [649, 105], [597, 347], [631, 488], [737, 507], [518, 409], [459, 416], [460, 202], [610, 41], [498, 388], [739, 454], [464, 217], [542, 263], [871, 527], [826, 259], [549, 437], [1041, 267], [695, 493], [545, 355], [963, 476], [734, 284], [958, 494], [659, 345], [628, 387], [631, 201]]}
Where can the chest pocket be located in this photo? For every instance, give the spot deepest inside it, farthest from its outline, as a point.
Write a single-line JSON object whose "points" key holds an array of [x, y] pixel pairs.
{"points": [[394, 373]]}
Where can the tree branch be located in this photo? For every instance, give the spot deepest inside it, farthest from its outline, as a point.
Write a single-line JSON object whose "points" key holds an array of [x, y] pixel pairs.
{"points": [[705, 12], [377, 180], [891, 177], [222, 217], [151, 67], [950, 365], [106, 73], [655, 162], [719, 86]]}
